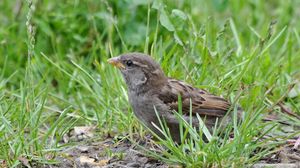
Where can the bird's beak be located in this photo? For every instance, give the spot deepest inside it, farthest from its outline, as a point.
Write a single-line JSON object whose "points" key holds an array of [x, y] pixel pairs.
{"points": [[115, 61]]}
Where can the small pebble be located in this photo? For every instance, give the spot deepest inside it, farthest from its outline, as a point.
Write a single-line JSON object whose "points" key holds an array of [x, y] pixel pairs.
{"points": [[83, 149], [133, 164]]}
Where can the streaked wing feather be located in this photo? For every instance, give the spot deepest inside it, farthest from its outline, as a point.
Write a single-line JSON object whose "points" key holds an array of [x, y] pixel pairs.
{"points": [[203, 103]]}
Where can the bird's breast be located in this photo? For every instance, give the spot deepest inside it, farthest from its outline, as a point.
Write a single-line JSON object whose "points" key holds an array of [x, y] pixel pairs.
{"points": [[144, 107]]}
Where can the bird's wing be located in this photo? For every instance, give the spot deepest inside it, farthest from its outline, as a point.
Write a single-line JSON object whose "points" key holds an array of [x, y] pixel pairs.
{"points": [[202, 102]]}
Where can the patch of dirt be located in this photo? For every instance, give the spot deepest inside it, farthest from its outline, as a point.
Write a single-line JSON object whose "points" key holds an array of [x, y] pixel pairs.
{"points": [[108, 153], [92, 152], [285, 154]]}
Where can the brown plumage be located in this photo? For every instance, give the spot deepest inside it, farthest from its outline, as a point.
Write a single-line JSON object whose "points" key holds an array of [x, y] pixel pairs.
{"points": [[148, 87], [203, 103]]}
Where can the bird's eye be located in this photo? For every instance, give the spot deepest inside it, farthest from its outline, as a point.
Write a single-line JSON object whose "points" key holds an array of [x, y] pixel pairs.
{"points": [[129, 63]]}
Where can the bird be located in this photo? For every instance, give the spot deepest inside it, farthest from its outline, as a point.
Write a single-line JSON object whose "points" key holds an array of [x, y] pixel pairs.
{"points": [[155, 97]]}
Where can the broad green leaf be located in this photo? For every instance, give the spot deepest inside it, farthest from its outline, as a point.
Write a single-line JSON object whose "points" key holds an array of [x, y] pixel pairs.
{"points": [[179, 13], [165, 21]]}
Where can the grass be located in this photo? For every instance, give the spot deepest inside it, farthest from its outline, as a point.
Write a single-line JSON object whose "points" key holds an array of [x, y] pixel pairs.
{"points": [[54, 75]]}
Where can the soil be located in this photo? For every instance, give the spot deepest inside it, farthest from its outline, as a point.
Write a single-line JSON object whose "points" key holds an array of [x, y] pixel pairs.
{"points": [[91, 152]]}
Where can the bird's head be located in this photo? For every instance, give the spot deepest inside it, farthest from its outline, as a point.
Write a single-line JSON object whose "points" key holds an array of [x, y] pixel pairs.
{"points": [[139, 70]]}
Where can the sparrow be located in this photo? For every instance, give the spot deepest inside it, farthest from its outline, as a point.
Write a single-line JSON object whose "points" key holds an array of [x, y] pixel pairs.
{"points": [[149, 89]]}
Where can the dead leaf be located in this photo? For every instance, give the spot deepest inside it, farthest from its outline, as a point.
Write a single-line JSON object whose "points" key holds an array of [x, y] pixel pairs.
{"points": [[3, 164], [297, 143], [83, 132], [85, 159], [24, 161], [102, 162]]}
